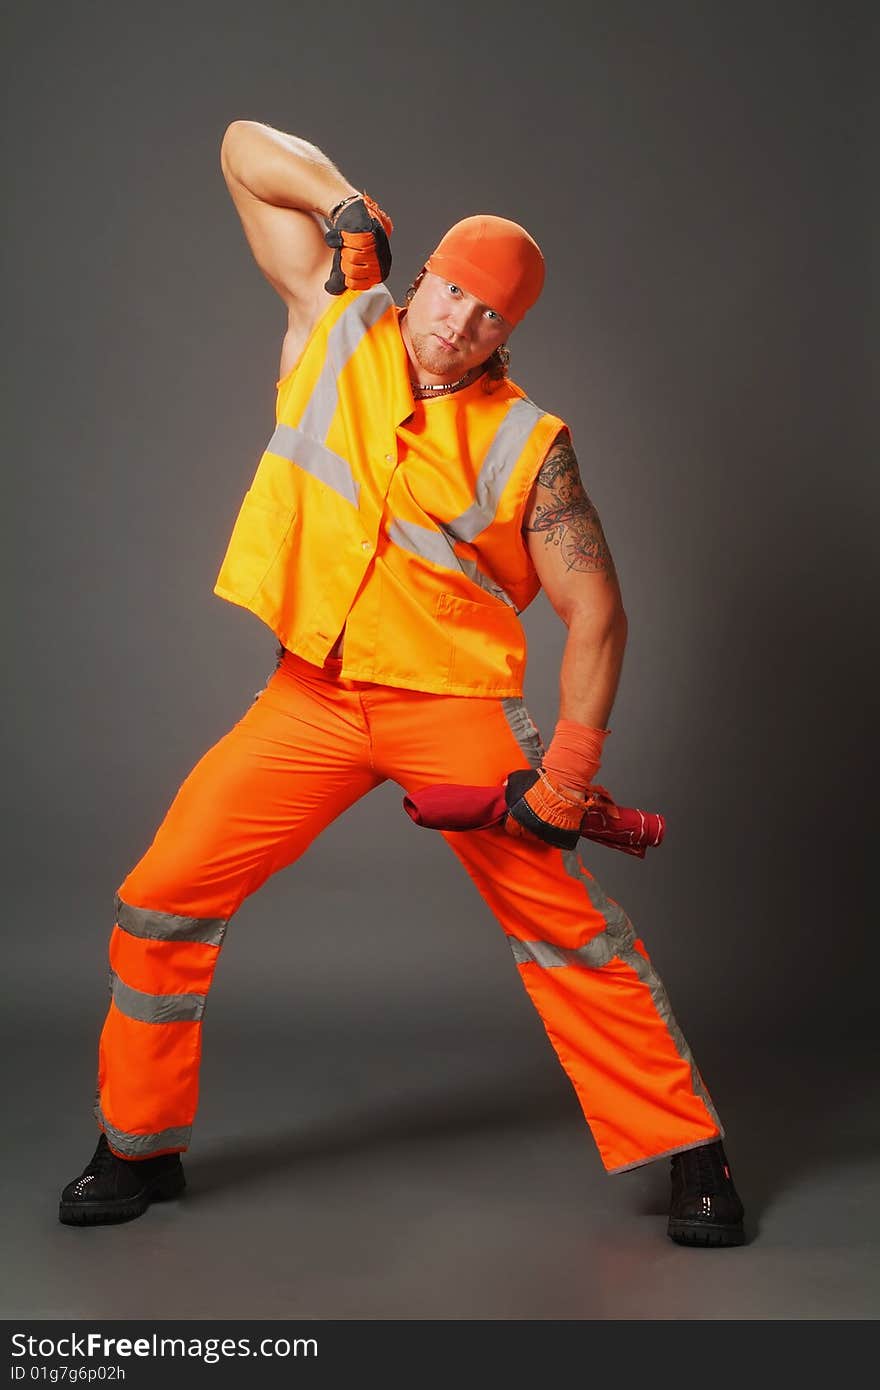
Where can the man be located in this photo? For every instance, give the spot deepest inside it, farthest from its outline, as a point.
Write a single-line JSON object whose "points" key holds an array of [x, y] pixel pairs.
{"points": [[410, 503]]}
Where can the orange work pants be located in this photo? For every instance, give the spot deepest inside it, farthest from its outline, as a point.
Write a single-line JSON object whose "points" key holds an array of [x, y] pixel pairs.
{"points": [[307, 748]]}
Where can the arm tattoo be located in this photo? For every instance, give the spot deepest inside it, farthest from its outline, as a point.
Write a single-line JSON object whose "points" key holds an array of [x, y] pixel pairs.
{"points": [[567, 517]]}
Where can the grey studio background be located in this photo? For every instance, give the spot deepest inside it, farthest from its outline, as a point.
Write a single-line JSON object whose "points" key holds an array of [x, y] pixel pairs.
{"points": [[384, 1130]]}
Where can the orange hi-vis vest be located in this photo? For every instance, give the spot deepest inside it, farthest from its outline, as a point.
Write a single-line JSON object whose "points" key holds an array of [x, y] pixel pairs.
{"points": [[397, 520]]}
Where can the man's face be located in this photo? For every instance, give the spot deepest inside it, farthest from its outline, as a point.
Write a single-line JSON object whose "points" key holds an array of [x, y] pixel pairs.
{"points": [[447, 331]]}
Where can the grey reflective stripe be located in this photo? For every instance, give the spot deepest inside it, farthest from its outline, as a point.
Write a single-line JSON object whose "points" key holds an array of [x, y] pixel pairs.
{"points": [[316, 459], [593, 956], [165, 926], [473, 572], [142, 1145], [343, 340], [155, 1008], [500, 461], [524, 729], [422, 540], [618, 940], [437, 546], [305, 444], [616, 920]]}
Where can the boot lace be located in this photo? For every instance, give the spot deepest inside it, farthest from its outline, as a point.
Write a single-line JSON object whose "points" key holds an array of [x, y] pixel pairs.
{"points": [[101, 1162], [705, 1170]]}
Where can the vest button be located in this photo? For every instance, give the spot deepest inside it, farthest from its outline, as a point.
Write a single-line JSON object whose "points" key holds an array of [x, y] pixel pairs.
{"points": [[365, 545]]}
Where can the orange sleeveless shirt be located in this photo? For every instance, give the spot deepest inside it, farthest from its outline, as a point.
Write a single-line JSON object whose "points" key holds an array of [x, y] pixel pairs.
{"points": [[399, 520]]}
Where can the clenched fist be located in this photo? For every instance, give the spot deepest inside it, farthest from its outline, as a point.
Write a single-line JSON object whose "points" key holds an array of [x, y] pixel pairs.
{"points": [[358, 232]]}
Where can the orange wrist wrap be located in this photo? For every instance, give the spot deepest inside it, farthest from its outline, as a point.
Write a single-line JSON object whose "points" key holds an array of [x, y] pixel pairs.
{"points": [[375, 211], [574, 755]]}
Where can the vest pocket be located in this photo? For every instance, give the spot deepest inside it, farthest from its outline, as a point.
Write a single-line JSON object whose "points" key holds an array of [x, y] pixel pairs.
{"points": [[259, 533], [487, 643]]}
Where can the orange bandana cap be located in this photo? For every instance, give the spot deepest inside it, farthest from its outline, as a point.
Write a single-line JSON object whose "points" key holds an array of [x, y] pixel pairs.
{"points": [[493, 259]]}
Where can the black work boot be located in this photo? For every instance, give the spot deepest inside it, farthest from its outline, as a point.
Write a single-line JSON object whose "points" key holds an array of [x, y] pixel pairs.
{"points": [[705, 1207], [119, 1189]]}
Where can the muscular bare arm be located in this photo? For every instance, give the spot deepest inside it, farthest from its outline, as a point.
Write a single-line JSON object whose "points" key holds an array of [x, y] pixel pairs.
{"points": [[281, 187], [568, 549]]}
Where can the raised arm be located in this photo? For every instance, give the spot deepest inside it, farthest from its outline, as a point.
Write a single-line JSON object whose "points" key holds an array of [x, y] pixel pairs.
{"points": [[282, 186], [571, 556]]}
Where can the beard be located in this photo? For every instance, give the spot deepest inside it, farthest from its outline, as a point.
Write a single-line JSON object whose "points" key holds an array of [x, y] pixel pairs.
{"points": [[433, 358]]}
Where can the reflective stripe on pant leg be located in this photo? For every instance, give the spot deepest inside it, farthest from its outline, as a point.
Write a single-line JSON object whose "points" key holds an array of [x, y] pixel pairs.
{"points": [[601, 1001], [152, 1034], [296, 760]]}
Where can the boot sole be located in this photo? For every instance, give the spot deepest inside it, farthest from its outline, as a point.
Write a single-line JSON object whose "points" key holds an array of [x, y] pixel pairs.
{"points": [[109, 1213], [698, 1233]]}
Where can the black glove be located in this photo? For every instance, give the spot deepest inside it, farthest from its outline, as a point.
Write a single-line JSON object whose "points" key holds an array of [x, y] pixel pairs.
{"points": [[535, 805], [358, 232]]}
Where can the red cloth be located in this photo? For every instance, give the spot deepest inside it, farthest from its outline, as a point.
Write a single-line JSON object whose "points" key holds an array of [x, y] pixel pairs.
{"points": [[450, 806]]}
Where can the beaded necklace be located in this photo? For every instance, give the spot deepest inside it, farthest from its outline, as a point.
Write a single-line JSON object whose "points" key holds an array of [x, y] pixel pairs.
{"points": [[424, 391]]}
